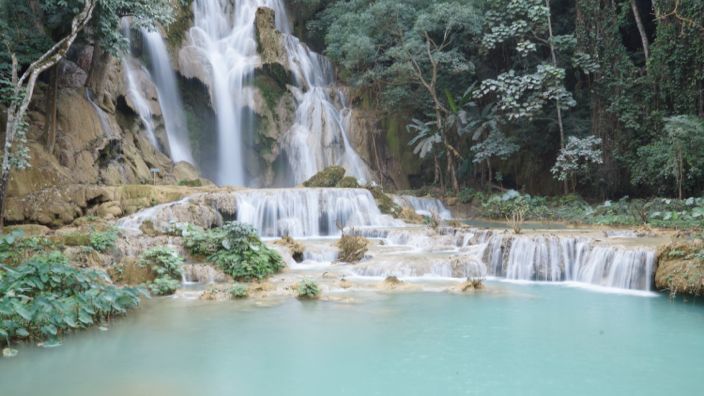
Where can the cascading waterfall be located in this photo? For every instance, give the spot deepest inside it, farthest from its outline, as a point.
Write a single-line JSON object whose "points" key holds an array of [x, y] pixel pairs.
{"points": [[169, 97], [424, 206], [554, 259], [309, 212], [318, 137], [225, 38]]}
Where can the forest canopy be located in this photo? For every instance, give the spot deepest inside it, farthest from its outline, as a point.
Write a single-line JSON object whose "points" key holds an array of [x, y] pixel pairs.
{"points": [[600, 97]]}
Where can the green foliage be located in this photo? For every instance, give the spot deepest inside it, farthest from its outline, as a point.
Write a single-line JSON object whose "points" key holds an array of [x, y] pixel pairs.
{"points": [[15, 247], [239, 291], [677, 156], [163, 286], [236, 249], [102, 241], [577, 157], [308, 290], [165, 264], [44, 298]]}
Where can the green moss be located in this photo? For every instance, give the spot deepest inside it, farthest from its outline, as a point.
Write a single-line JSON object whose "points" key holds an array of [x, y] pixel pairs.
{"points": [[271, 82], [328, 177], [347, 182], [183, 20], [384, 202], [191, 183]]}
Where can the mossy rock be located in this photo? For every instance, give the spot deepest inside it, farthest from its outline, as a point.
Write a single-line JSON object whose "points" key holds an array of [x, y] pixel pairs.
{"points": [[384, 202], [347, 182], [183, 20], [328, 177], [681, 269], [72, 239]]}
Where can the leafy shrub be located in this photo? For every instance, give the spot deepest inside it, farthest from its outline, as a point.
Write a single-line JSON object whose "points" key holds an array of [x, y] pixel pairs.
{"points": [[308, 290], [103, 240], [163, 286], [239, 291], [44, 297], [352, 248], [15, 248], [236, 249], [200, 242], [163, 261], [165, 264]]}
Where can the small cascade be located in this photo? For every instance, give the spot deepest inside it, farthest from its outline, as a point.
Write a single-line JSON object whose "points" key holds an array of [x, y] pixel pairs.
{"points": [[556, 259], [424, 206], [224, 39], [309, 212], [169, 97], [102, 117]]}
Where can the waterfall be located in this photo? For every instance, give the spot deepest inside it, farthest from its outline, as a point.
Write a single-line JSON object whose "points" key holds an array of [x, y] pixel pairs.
{"points": [[131, 66], [309, 212], [224, 37], [424, 206], [134, 93], [555, 259], [169, 97]]}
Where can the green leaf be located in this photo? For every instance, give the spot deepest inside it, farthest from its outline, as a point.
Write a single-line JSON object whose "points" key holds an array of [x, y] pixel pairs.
{"points": [[22, 332]]}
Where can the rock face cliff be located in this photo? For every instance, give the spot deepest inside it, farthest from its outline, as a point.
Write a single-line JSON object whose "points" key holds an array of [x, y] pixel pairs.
{"points": [[99, 141]]}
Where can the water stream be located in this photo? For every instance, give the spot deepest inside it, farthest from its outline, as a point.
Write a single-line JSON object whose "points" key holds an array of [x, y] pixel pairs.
{"points": [[225, 38]]}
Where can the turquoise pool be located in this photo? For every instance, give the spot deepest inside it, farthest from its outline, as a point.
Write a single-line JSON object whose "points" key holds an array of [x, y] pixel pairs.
{"points": [[509, 340]]}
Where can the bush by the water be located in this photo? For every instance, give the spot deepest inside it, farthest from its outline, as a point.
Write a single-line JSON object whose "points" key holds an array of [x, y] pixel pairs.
{"points": [[165, 264], [239, 291], [326, 178], [45, 297], [308, 290], [236, 249], [352, 248]]}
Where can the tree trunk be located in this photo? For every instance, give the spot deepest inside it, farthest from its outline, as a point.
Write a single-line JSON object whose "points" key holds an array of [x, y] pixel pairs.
{"points": [[557, 101], [641, 30], [50, 127], [23, 88]]}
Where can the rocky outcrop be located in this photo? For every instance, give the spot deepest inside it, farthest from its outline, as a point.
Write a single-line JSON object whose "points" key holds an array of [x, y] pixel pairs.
{"points": [[681, 268], [60, 205], [270, 42]]}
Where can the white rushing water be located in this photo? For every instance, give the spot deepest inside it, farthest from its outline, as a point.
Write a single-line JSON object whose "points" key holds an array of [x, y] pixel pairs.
{"points": [[169, 97], [225, 38], [309, 212], [552, 259], [135, 95], [424, 206]]}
